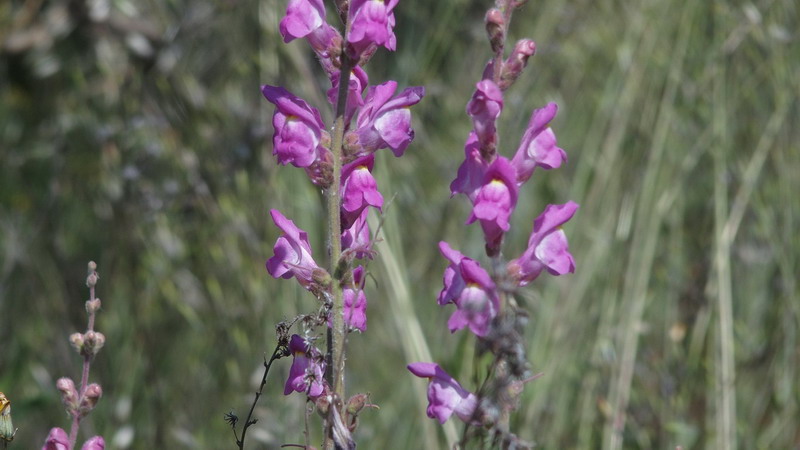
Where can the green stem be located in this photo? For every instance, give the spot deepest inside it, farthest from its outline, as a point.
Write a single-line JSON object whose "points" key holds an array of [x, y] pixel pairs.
{"points": [[338, 333]]}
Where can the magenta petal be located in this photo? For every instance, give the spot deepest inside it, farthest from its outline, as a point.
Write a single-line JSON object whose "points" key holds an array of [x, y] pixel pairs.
{"points": [[454, 256], [553, 251], [553, 217], [538, 147], [302, 18], [423, 369], [57, 439], [445, 394], [94, 443], [472, 171]]}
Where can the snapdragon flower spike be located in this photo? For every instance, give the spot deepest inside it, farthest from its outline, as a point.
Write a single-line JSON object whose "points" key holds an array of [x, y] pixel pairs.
{"points": [[445, 394], [355, 303], [371, 24], [538, 145], [385, 122], [298, 127], [355, 91], [472, 171], [484, 108], [471, 289], [356, 239], [359, 189], [547, 246], [292, 254], [495, 202], [308, 369]]}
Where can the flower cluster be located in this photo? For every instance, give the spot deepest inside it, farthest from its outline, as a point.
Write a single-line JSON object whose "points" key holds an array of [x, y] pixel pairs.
{"points": [[492, 183], [79, 401], [308, 367], [374, 117], [57, 439]]}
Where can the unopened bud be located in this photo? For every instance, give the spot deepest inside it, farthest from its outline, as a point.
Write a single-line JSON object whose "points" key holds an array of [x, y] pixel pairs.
{"points": [[356, 403], [89, 399], [95, 443], [91, 279], [321, 277], [76, 340], [351, 144], [496, 29], [69, 396], [324, 404], [513, 66], [93, 342], [92, 306]]}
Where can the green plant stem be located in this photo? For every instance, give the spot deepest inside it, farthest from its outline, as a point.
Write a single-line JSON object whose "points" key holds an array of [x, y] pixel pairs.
{"points": [[338, 333]]}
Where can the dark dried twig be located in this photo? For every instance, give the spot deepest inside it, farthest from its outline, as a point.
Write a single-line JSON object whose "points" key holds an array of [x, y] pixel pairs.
{"points": [[281, 350]]}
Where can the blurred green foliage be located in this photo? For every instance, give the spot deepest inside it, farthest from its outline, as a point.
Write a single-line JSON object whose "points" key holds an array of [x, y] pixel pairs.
{"points": [[134, 134]]}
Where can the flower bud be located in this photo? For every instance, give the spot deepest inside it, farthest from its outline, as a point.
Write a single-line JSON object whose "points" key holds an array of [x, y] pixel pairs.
{"points": [[95, 443], [351, 145], [513, 66], [69, 396], [89, 399], [496, 29], [93, 341], [76, 339], [92, 306], [321, 277], [323, 404], [356, 403], [56, 440], [91, 279]]}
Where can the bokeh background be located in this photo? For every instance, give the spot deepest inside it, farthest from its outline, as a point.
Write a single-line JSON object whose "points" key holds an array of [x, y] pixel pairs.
{"points": [[133, 133]]}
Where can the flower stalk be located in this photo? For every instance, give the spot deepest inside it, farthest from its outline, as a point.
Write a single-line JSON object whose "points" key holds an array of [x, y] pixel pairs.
{"points": [[338, 332]]}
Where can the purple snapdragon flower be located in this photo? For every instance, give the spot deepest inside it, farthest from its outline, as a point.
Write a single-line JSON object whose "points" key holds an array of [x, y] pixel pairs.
{"points": [[355, 91], [308, 368], [471, 289], [547, 246], [94, 443], [538, 146], [371, 24], [385, 122], [298, 127], [306, 19], [356, 239], [445, 394], [292, 253], [302, 18], [359, 189], [57, 439], [484, 108], [472, 171], [494, 203], [355, 303]]}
